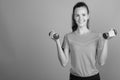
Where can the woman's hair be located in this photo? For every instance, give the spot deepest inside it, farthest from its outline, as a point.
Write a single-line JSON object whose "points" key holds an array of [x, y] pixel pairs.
{"points": [[74, 25]]}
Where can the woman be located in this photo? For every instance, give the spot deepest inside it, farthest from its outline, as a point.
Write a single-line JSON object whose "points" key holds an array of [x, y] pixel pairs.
{"points": [[84, 47]]}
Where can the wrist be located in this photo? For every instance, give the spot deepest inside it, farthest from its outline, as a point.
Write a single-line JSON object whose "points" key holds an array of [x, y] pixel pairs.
{"points": [[57, 40]]}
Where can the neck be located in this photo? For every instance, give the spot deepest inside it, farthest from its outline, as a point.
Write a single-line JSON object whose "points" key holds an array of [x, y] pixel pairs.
{"points": [[82, 30]]}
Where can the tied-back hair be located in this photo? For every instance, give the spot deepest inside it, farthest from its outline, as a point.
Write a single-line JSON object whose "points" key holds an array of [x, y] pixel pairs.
{"points": [[74, 25]]}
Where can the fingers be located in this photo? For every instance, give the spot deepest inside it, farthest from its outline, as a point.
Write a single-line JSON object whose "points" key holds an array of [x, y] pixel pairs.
{"points": [[56, 36], [110, 34], [53, 35]]}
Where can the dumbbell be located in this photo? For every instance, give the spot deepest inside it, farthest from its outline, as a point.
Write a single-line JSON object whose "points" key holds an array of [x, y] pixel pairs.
{"points": [[54, 35], [110, 34]]}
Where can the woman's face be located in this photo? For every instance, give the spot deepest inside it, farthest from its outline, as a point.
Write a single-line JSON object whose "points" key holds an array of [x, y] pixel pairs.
{"points": [[81, 16]]}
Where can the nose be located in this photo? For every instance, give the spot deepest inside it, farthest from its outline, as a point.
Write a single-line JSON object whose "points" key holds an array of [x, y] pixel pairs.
{"points": [[80, 17]]}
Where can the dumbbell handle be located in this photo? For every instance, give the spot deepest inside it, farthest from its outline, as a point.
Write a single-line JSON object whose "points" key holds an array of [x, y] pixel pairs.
{"points": [[108, 35], [54, 35]]}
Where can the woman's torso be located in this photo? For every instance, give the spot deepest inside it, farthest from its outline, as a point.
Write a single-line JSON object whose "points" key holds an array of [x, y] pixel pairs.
{"points": [[83, 53]]}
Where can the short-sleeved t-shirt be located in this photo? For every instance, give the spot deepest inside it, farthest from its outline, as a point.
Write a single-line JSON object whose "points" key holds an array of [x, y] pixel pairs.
{"points": [[83, 51]]}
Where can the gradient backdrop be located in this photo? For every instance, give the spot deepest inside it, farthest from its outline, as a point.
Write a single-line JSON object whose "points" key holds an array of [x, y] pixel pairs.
{"points": [[27, 52]]}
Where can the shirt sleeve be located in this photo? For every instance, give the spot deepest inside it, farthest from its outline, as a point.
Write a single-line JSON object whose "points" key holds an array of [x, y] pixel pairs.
{"points": [[65, 42]]}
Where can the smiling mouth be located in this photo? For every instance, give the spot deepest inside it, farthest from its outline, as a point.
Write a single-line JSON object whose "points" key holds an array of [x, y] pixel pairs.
{"points": [[81, 21]]}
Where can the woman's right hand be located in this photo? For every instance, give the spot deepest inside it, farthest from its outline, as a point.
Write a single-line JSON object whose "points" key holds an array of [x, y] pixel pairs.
{"points": [[53, 35]]}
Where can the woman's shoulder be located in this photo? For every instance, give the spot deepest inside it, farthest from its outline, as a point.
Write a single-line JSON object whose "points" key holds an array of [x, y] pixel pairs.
{"points": [[96, 35], [69, 34]]}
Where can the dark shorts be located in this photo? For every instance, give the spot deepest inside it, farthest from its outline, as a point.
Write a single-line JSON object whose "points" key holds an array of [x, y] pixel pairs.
{"points": [[94, 77]]}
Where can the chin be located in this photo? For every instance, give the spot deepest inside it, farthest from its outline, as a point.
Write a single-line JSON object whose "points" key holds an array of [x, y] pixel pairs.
{"points": [[81, 24]]}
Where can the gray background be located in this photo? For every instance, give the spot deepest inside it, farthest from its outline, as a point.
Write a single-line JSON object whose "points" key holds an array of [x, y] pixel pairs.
{"points": [[27, 52]]}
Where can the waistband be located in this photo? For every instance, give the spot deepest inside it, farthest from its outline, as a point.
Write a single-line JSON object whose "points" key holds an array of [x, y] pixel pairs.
{"points": [[93, 77]]}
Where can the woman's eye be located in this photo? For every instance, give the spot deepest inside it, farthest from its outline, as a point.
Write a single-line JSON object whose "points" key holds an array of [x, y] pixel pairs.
{"points": [[77, 15]]}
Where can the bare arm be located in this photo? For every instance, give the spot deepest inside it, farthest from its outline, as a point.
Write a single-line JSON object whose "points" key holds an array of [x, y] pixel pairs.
{"points": [[63, 51], [104, 53], [62, 54]]}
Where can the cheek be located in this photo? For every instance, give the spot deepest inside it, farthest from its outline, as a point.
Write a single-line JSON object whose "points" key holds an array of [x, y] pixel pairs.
{"points": [[76, 18], [87, 17]]}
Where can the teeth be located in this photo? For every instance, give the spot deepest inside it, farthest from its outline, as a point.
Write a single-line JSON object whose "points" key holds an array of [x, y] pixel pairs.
{"points": [[81, 21]]}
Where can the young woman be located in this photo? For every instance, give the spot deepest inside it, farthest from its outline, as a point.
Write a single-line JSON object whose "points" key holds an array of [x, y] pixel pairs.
{"points": [[82, 46]]}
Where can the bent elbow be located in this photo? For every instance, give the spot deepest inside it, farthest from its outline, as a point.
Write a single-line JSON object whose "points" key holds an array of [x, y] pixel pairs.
{"points": [[101, 63], [65, 64]]}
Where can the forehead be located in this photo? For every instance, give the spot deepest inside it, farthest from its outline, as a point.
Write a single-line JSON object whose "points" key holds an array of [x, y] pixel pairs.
{"points": [[81, 10]]}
